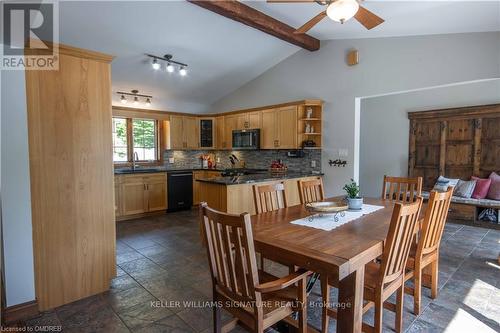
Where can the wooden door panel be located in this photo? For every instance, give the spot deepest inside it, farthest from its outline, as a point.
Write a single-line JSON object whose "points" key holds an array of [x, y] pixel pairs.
{"points": [[191, 131], [255, 120], [157, 195], [268, 134], [490, 155], [427, 155], [219, 133], [463, 173], [176, 132], [230, 124], [491, 128], [133, 198], [461, 129], [459, 154], [429, 176], [287, 128], [428, 131]]}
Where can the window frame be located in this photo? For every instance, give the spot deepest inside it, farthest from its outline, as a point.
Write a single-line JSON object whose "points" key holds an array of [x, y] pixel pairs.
{"points": [[130, 142]]}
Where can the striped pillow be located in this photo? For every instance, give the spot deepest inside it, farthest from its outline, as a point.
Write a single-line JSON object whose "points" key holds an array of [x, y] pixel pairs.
{"points": [[464, 189]]}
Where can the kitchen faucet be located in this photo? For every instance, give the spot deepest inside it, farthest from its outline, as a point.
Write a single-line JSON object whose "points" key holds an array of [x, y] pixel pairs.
{"points": [[135, 158]]}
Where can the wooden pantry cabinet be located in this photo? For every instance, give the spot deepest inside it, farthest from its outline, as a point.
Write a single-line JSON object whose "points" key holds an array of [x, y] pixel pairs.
{"points": [[137, 194], [71, 172]]}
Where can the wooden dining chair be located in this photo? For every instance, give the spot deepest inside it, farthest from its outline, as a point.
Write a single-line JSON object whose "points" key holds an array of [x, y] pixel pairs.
{"points": [[401, 189], [255, 298], [382, 280], [311, 190], [425, 253], [269, 197]]}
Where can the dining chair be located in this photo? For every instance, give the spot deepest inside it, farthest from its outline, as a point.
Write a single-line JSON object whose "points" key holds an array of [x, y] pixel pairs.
{"points": [[311, 190], [269, 197], [257, 299], [401, 189], [382, 280], [425, 253]]}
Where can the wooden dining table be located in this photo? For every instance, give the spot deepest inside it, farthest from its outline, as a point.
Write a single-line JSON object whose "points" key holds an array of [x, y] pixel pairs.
{"points": [[341, 253]]}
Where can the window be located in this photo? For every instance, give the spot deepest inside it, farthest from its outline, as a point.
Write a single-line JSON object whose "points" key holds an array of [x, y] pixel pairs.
{"points": [[141, 139], [120, 140], [144, 139]]}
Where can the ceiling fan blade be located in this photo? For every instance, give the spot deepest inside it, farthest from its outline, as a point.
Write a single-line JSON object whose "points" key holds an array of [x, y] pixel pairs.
{"points": [[289, 1], [367, 18], [311, 23]]}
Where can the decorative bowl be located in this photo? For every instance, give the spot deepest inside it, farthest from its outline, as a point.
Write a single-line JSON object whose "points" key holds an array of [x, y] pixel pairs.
{"points": [[327, 206]]}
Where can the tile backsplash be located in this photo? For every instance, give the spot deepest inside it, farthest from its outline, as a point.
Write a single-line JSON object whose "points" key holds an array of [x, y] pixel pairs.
{"points": [[258, 159]]}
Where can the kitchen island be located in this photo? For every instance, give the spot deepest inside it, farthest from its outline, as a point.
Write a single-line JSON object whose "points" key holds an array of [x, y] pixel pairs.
{"points": [[235, 194]]}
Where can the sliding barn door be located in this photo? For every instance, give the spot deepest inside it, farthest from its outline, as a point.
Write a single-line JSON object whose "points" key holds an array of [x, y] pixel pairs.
{"points": [[70, 147]]}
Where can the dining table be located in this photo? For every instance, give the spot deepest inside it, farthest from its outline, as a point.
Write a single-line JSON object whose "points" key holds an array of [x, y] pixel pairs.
{"points": [[340, 254]]}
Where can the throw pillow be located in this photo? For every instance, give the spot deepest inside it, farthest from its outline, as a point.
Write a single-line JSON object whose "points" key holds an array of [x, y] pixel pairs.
{"points": [[443, 183], [494, 190], [464, 188], [482, 187]]}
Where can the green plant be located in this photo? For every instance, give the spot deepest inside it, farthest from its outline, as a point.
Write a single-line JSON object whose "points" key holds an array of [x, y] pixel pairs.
{"points": [[352, 189]]}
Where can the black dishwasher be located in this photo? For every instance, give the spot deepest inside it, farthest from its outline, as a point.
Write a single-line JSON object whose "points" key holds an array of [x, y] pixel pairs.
{"points": [[180, 190]]}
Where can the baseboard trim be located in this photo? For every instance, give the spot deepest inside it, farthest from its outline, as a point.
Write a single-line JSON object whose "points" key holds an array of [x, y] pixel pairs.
{"points": [[20, 311]]}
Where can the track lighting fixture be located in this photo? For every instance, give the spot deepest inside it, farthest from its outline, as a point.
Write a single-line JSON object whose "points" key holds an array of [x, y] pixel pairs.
{"points": [[156, 65], [171, 64], [135, 94]]}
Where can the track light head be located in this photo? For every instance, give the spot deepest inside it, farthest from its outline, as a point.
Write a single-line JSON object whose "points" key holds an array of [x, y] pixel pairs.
{"points": [[136, 100], [123, 99], [148, 102], [183, 71], [156, 65], [170, 68]]}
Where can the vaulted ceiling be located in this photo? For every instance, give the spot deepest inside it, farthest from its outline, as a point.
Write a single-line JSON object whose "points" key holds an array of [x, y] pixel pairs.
{"points": [[223, 54]]}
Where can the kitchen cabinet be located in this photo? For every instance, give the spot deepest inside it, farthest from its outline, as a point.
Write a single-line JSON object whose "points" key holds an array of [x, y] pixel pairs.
{"points": [[201, 174], [176, 133], [279, 128], [140, 194], [220, 140], [230, 124], [207, 133], [184, 132]]}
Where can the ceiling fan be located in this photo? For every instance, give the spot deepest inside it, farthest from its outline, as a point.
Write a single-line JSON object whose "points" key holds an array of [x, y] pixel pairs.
{"points": [[339, 11]]}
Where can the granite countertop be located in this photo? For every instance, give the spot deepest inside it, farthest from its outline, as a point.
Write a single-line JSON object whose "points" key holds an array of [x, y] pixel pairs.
{"points": [[257, 178], [126, 171]]}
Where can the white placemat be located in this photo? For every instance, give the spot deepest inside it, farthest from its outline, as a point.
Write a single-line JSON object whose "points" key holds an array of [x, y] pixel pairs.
{"points": [[328, 222]]}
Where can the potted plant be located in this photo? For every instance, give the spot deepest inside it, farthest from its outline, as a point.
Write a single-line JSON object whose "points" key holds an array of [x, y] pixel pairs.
{"points": [[354, 201]]}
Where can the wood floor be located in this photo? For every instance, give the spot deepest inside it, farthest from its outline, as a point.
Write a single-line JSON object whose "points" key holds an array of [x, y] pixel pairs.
{"points": [[152, 278]]}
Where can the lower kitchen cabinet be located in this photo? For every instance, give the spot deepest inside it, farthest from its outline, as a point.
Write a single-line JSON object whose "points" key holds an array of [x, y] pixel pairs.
{"points": [[140, 194], [201, 174]]}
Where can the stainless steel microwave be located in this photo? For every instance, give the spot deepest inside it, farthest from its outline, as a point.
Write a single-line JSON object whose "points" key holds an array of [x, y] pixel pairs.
{"points": [[246, 139]]}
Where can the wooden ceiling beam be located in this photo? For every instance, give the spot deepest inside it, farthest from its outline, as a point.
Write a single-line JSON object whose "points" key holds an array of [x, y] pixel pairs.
{"points": [[240, 12]]}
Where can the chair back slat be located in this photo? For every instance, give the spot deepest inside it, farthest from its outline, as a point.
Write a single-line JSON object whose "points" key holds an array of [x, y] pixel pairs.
{"points": [[434, 222], [231, 253], [311, 190], [401, 189], [269, 197], [399, 239]]}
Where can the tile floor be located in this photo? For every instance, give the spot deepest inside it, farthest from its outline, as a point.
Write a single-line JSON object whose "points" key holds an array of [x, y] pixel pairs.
{"points": [[160, 260]]}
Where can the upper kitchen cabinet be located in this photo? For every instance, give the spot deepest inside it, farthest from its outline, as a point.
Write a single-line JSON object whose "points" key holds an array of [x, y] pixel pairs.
{"points": [[207, 133], [184, 132], [279, 128], [220, 139], [249, 120]]}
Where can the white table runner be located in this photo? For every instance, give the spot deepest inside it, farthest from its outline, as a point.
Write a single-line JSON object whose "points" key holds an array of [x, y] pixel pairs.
{"points": [[327, 221]]}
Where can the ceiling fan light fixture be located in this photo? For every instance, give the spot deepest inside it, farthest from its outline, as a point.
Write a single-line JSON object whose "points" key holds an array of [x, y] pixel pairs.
{"points": [[148, 102], [183, 71], [123, 99], [342, 10], [156, 65]]}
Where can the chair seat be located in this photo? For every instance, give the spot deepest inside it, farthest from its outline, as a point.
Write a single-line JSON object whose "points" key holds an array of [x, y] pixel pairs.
{"points": [[426, 258]]}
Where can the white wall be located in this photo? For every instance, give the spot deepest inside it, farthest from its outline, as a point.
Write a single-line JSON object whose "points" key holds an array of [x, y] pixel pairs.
{"points": [[16, 196], [385, 126], [386, 65]]}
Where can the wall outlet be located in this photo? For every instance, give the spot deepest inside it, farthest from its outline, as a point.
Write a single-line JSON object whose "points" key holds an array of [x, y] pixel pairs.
{"points": [[171, 160], [313, 164]]}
